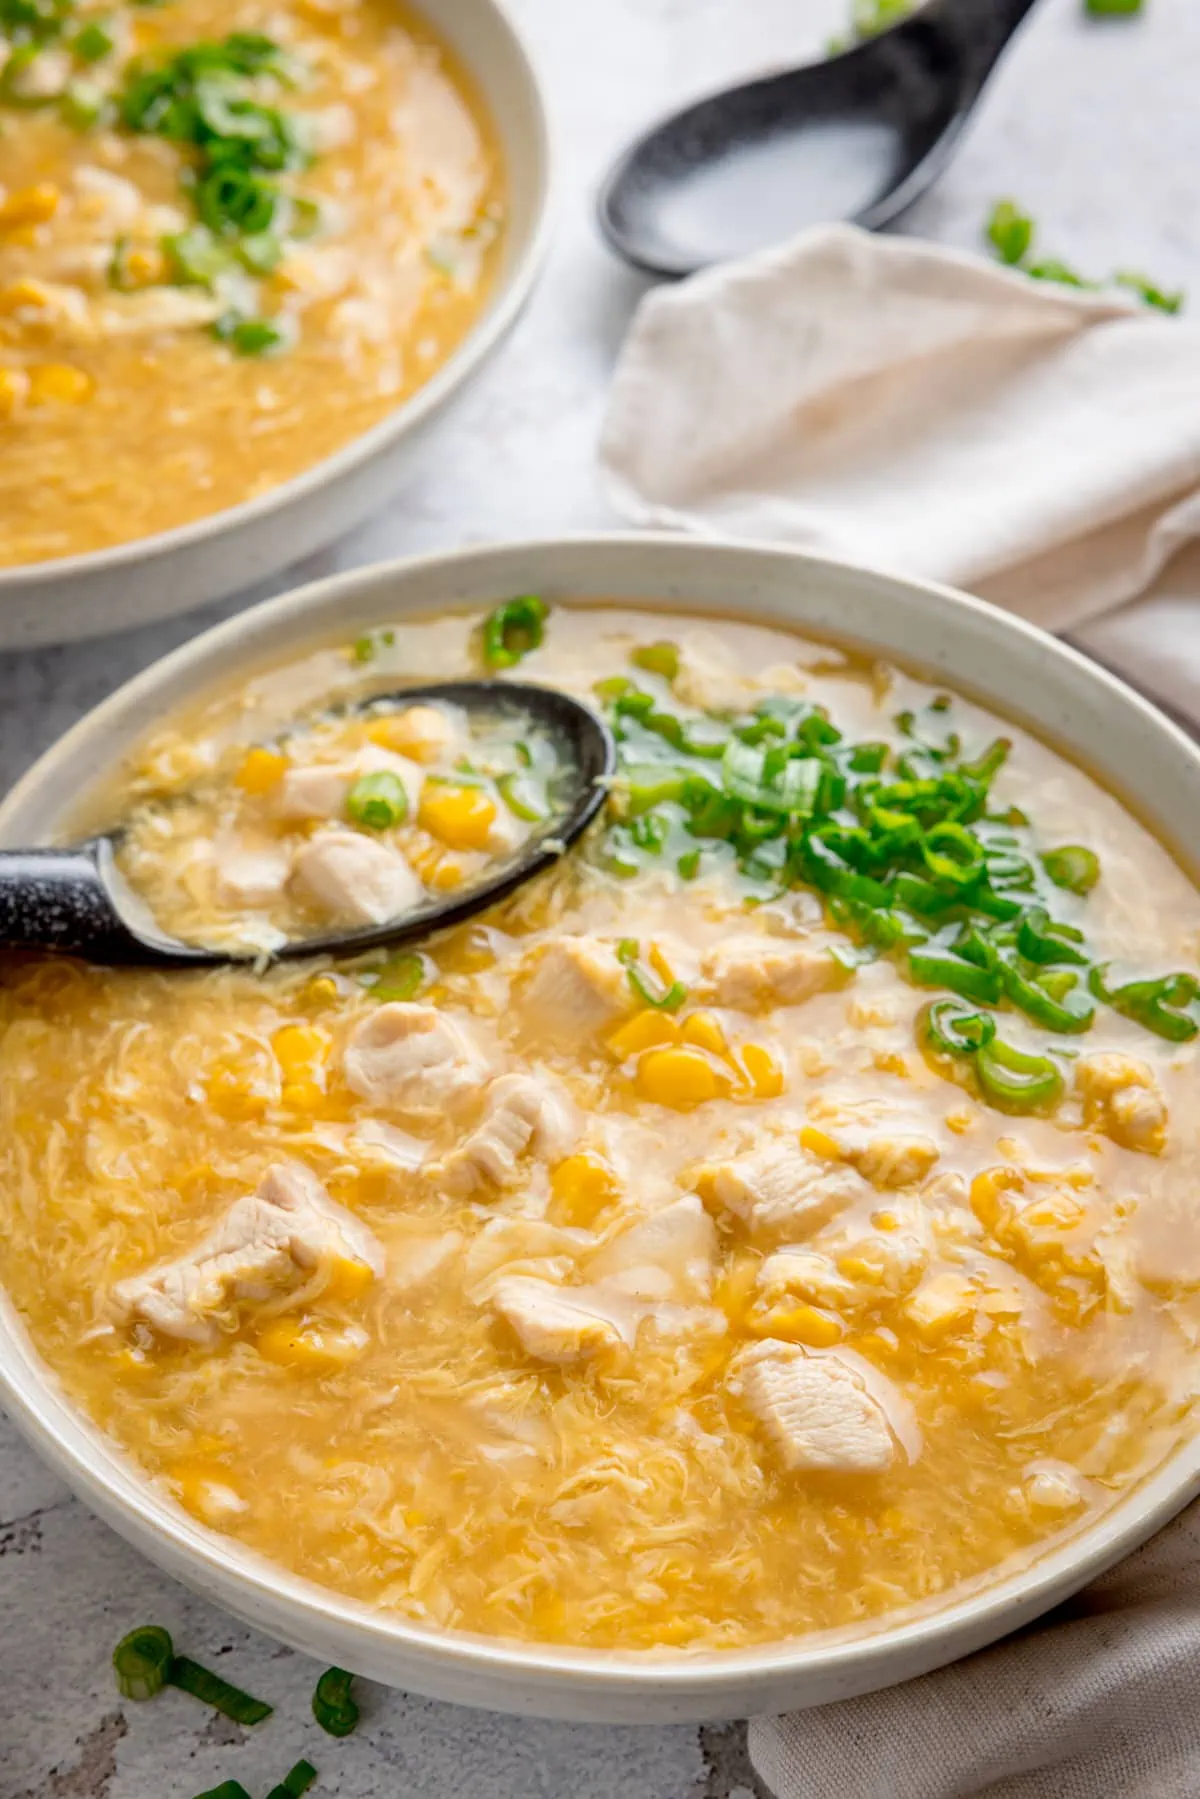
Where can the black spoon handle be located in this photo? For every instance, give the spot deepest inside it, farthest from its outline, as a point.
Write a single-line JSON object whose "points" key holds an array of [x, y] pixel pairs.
{"points": [[981, 27], [57, 899]]}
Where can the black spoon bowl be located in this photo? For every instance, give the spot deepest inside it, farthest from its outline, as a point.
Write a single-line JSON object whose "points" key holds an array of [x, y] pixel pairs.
{"points": [[858, 137], [75, 900]]}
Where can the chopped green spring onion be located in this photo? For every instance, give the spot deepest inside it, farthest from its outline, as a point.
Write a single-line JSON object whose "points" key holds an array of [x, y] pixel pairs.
{"points": [[1072, 867], [1010, 232], [400, 978], [1059, 272], [333, 1704], [1037, 1003], [142, 1662], [1043, 940], [657, 659], [191, 1678], [1110, 9], [1015, 1082], [1155, 297], [931, 968], [524, 798], [83, 105], [92, 43], [19, 83], [688, 864], [513, 630], [1161, 1005], [668, 1001], [953, 855], [955, 1030], [250, 337], [194, 257], [377, 801], [295, 1782], [228, 1789]]}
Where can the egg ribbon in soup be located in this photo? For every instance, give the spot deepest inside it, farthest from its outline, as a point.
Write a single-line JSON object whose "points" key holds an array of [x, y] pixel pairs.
{"points": [[775, 1217], [232, 238]]}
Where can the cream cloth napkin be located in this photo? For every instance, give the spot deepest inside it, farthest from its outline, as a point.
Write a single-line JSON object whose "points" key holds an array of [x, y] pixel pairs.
{"points": [[924, 410], [909, 406]]}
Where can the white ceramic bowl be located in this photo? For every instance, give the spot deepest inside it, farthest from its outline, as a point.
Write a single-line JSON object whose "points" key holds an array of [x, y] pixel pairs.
{"points": [[996, 657], [153, 577]]}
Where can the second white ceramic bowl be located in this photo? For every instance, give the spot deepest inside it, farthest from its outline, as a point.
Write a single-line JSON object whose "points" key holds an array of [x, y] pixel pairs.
{"points": [[999, 659], [154, 577]]}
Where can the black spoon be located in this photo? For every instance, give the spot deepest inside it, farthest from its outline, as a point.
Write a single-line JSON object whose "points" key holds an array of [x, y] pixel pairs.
{"points": [[75, 900], [858, 137]]}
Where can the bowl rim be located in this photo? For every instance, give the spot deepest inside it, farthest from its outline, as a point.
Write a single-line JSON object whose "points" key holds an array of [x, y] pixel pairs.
{"points": [[512, 289], [95, 1466]]}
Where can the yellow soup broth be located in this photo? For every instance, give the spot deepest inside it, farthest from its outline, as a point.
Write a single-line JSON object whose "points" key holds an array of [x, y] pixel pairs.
{"points": [[637, 1273], [171, 346]]}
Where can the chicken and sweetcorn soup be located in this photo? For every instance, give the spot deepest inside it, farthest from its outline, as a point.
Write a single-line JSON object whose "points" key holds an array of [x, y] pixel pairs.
{"points": [[777, 1215], [234, 234]]}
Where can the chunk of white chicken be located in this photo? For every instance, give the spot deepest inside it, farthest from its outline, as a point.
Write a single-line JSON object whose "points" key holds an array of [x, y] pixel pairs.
{"points": [[553, 1324], [669, 1255], [779, 1191], [412, 1056], [267, 1242], [897, 1161], [355, 878], [806, 1274], [750, 973], [418, 1261], [815, 1410], [523, 1114], [1120, 1098], [577, 988], [320, 789], [249, 875]]}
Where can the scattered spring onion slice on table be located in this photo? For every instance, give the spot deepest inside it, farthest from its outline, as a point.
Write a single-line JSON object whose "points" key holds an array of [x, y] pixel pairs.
{"points": [[333, 1704], [1010, 233], [228, 1789], [144, 1662], [513, 630], [295, 1782]]}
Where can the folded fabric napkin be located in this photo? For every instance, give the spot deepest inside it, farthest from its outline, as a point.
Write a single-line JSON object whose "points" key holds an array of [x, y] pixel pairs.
{"points": [[914, 407], [905, 405]]}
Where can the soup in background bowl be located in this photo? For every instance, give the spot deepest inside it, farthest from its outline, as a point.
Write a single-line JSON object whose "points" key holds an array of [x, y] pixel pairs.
{"points": [[768, 1231]]}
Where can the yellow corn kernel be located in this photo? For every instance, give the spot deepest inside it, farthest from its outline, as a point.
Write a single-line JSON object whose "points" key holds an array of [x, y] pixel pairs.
{"points": [[941, 1306], [677, 1077], [422, 732], [322, 990], [142, 266], [302, 1344], [801, 1324], [960, 1122], [447, 875], [414, 1517], [762, 1071], [302, 1096], [207, 1491], [987, 1189], [261, 770], [460, 817], [30, 205], [25, 292], [703, 1031], [580, 1188], [348, 1278], [820, 1143], [299, 1048], [14, 386], [862, 1265], [231, 1092], [885, 1221], [645, 1030], [660, 965], [58, 383]]}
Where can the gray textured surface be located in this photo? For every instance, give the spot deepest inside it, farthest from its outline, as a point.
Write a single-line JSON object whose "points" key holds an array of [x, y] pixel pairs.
{"points": [[1093, 128]]}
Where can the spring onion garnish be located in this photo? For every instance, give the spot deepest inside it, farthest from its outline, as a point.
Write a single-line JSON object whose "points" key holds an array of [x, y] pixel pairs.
{"points": [[92, 43], [954, 1030], [1073, 867], [513, 630], [250, 337], [1107, 9], [210, 1689], [333, 1703], [1162, 1006], [1015, 1082], [295, 1782], [1010, 233], [144, 1662], [377, 801], [400, 977], [228, 1789], [668, 1000], [657, 659], [524, 798]]}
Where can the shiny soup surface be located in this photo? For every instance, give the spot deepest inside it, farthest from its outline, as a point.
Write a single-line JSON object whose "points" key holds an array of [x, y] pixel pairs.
{"points": [[234, 235], [775, 1217]]}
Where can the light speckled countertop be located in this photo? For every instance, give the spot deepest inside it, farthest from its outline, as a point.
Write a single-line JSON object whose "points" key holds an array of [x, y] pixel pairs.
{"points": [[1095, 130]]}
